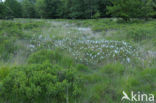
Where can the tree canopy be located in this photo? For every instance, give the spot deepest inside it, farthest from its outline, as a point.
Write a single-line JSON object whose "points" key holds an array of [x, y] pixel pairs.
{"points": [[78, 9], [127, 9]]}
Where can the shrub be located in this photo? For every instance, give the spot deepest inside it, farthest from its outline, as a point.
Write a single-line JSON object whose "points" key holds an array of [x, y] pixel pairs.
{"points": [[53, 57], [44, 55], [4, 71], [83, 68], [37, 83], [32, 25]]}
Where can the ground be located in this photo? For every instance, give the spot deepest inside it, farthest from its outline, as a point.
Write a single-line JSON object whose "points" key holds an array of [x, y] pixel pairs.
{"points": [[108, 55]]}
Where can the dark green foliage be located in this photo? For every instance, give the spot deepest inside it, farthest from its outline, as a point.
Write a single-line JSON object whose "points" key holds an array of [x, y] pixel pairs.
{"points": [[29, 10], [127, 9], [2, 9], [48, 8], [79, 9], [15, 7], [5, 12], [92, 10], [154, 7], [63, 10], [103, 7], [148, 9]]}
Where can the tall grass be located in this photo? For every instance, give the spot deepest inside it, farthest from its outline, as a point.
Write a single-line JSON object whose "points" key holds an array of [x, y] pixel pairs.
{"points": [[62, 61]]}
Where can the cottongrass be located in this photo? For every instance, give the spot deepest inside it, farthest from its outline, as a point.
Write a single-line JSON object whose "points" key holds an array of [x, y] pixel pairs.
{"points": [[90, 51], [97, 51]]}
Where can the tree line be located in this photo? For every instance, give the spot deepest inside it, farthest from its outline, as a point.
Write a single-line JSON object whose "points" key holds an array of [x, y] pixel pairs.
{"points": [[78, 9]]}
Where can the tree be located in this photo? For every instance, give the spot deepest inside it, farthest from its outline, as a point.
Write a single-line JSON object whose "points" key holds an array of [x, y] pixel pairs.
{"points": [[48, 8], [148, 9], [154, 6], [28, 9], [77, 9], [39, 5], [102, 7], [15, 7], [81, 9], [5, 12], [92, 8], [2, 9], [127, 9], [64, 8]]}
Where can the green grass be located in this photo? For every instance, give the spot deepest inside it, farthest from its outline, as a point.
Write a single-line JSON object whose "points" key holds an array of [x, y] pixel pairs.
{"points": [[136, 31], [76, 61]]}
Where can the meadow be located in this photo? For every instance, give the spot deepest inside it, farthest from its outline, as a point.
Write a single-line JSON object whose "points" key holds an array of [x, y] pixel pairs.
{"points": [[76, 61]]}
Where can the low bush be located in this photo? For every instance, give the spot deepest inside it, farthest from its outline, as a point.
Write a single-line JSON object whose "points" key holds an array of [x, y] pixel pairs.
{"points": [[51, 56], [4, 71], [37, 83]]}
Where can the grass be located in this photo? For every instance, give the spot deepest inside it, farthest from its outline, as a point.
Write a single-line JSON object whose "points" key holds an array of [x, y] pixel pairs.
{"points": [[112, 29], [75, 61]]}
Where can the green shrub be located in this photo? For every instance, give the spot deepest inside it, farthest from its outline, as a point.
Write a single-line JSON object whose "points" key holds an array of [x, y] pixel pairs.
{"points": [[114, 70], [32, 25], [44, 83], [53, 57], [4, 71], [44, 56], [83, 68]]}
